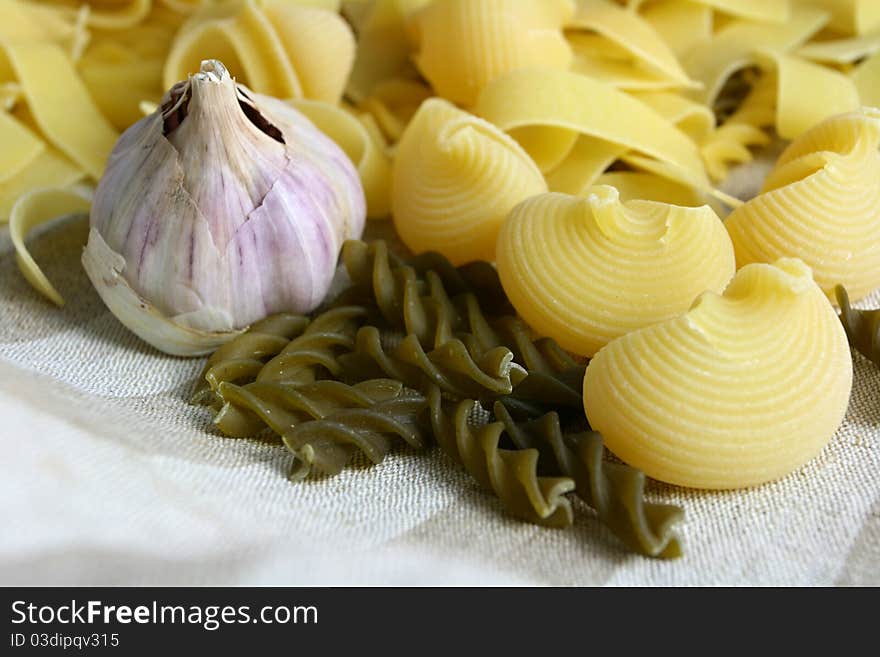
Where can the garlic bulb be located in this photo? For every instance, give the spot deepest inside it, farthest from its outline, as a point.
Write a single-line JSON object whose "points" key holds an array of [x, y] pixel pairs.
{"points": [[218, 209]]}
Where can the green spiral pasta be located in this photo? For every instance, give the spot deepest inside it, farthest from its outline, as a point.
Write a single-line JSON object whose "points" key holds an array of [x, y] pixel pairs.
{"points": [[511, 474], [614, 490], [418, 301], [324, 423], [862, 326], [451, 367], [315, 351], [241, 359]]}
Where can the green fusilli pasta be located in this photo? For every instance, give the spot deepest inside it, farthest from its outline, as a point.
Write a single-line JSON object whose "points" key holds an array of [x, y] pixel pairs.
{"points": [[614, 490], [862, 327]]}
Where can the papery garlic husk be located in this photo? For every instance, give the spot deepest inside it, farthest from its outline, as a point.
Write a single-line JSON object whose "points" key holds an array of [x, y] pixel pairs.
{"points": [[220, 208]]}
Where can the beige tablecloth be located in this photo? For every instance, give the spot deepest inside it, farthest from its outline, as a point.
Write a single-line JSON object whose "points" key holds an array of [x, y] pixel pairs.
{"points": [[108, 476]]}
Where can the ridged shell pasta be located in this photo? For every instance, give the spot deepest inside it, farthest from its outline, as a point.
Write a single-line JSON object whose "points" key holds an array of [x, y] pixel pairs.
{"points": [[464, 44], [821, 203], [587, 270], [740, 390], [455, 177]]}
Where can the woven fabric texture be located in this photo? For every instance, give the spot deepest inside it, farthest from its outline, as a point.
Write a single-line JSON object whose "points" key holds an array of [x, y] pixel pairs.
{"points": [[108, 476]]}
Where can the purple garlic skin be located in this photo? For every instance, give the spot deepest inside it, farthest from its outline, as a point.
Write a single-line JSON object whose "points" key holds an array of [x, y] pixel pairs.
{"points": [[226, 206]]}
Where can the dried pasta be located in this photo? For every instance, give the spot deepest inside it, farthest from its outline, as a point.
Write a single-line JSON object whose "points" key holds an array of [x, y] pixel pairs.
{"points": [[455, 177], [587, 270], [510, 474], [862, 327], [740, 390], [614, 490], [464, 45], [241, 359], [820, 203]]}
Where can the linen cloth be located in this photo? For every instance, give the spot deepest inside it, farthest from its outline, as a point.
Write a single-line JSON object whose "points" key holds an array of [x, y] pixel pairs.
{"points": [[109, 477]]}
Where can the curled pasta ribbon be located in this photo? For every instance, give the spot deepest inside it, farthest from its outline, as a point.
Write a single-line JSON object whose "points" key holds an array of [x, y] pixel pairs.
{"points": [[633, 34], [361, 141], [841, 51], [681, 24], [765, 11], [510, 474], [455, 177], [384, 50], [616, 491], [808, 94], [730, 142], [393, 103], [862, 327], [735, 47], [241, 359], [59, 103], [276, 48], [821, 203], [107, 14], [584, 271], [32, 209], [464, 45], [850, 16], [866, 77], [740, 390], [548, 110]]}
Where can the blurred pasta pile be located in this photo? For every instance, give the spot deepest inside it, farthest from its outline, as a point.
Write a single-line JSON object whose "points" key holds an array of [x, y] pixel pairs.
{"points": [[658, 98]]}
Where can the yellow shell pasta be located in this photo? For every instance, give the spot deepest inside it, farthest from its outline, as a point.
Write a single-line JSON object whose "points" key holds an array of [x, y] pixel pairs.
{"points": [[454, 179], [587, 270], [740, 390], [821, 203], [465, 44]]}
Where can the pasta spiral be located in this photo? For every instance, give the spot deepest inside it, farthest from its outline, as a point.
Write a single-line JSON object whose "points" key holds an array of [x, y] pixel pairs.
{"points": [[511, 474], [820, 203], [759, 379], [614, 490], [241, 359], [862, 327], [587, 270]]}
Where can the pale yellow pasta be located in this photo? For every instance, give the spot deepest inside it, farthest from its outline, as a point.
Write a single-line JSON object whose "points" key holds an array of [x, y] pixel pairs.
{"points": [[320, 45], [465, 44], [10, 94], [693, 119], [30, 210], [630, 32], [60, 103], [393, 103], [48, 169], [586, 270], [821, 203], [247, 44], [455, 178], [767, 11], [682, 24], [735, 46], [383, 46], [809, 93], [740, 390], [20, 146], [557, 105], [636, 186], [593, 59], [729, 143], [866, 77], [849, 16], [363, 144], [106, 14], [841, 51]]}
